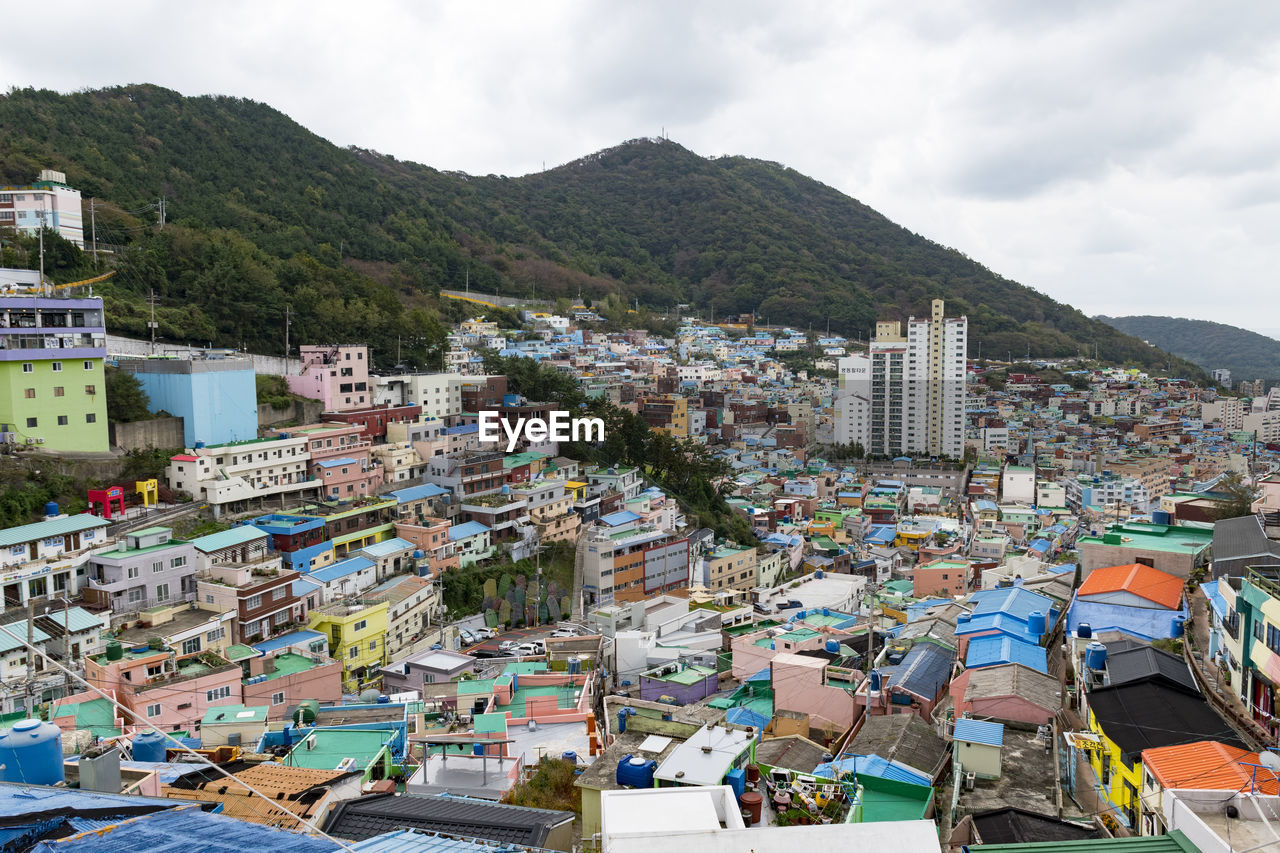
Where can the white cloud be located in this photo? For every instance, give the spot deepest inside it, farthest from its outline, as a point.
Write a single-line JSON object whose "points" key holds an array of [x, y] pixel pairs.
{"points": [[1122, 157]]}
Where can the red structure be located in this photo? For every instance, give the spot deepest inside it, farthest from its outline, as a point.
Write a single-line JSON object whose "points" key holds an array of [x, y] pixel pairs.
{"points": [[104, 498]]}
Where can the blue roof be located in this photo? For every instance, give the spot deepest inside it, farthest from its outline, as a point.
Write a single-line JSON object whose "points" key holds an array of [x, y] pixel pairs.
{"points": [[17, 800], [765, 675], [462, 531], [1040, 545], [1000, 622], [1013, 600], [746, 717], [303, 587], [334, 463], [387, 547], [871, 765], [979, 731], [615, 519], [882, 533], [999, 648], [924, 671], [417, 493], [341, 569], [189, 828], [1216, 601], [291, 639], [460, 430], [241, 535]]}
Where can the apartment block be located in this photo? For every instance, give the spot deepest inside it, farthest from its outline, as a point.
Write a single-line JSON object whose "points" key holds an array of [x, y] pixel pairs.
{"points": [[47, 203], [229, 475], [632, 564], [336, 375], [148, 568], [48, 557]]}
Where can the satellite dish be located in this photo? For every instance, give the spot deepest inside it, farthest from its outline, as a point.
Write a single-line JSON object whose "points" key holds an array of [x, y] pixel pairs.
{"points": [[1269, 760]]}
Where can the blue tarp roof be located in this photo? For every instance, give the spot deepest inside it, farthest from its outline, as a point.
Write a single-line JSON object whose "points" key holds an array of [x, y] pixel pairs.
{"points": [[387, 547], [764, 675], [615, 519], [871, 765], [1216, 601], [746, 717], [1014, 600], [334, 463], [462, 531]]}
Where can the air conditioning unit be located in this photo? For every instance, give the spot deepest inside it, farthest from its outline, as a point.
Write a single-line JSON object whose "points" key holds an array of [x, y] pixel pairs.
{"points": [[39, 441], [969, 779], [31, 441]]}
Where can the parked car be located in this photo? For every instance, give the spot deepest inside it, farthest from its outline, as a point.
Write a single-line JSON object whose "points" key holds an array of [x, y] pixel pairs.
{"points": [[526, 649], [482, 634], [788, 605], [564, 632], [467, 638], [507, 645]]}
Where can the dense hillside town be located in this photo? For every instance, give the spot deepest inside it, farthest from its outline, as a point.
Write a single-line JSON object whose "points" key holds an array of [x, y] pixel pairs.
{"points": [[780, 586]]}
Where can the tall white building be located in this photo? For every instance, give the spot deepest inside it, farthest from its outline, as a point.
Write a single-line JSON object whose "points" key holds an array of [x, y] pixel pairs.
{"points": [[914, 385], [48, 199]]}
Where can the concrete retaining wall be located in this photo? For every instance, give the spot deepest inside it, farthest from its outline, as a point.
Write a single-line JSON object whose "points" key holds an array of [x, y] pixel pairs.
{"points": [[268, 365], [301, 412], [163, 433]]}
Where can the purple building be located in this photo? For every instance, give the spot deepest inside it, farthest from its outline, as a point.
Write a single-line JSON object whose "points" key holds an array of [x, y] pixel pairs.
{"points": [[685, 683]]}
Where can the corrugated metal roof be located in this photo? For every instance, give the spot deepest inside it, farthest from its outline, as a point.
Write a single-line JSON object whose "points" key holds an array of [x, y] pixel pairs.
{"points": [[416, 841], [1145, 582], [189, 829], [979, 731], [373, 815], [417, 493], [1208, 766], [241, 535], [50, 528]]}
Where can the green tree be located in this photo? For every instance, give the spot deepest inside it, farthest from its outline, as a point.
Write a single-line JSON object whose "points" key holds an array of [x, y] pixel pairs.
{"points": [[126, 401], [1238, 499]]}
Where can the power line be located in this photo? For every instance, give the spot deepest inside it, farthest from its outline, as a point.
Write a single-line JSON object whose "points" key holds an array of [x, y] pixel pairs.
{"points": [[180, 745]]}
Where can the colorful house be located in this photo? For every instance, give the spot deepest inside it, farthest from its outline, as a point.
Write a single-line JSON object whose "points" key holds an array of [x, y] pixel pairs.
{"points": [[357, 638]]}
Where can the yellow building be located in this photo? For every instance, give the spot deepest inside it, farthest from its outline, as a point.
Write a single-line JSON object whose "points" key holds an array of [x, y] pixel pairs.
{"points": [[357, 635]]}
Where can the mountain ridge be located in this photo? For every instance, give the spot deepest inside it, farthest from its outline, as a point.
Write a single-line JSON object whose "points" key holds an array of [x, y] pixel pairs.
{"points": [[255, 196], [1248, 355]]}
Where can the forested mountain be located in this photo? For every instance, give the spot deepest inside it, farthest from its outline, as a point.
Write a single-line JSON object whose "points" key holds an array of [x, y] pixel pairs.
{"points": [[1248, 355], [264, 214]]}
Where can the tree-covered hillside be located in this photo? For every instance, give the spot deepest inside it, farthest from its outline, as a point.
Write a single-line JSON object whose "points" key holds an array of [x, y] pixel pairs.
{"points": [[261, 214], [1248, 355]]}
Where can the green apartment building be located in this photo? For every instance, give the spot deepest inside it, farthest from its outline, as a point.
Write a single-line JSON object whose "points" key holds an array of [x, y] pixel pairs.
{"points": [[52, 386]]}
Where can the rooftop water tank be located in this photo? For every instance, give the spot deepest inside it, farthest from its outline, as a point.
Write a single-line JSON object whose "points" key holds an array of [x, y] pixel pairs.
{"points": [[369, 697], [1179, 625], [875, 681], [1095, 656], [31, 753], [418, 555], [51, 509], [383, 699], [635, 772], [305, 713], [1036, 622], [149, 746], [826, 611], [833, 647], [623, 713], [818, 574], [570, 756], [199, 445], [1084, 630], [115, 651]]}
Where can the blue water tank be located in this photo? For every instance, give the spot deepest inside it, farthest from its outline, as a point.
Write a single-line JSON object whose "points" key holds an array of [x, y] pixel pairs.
{"points": [[623, 713], [570, 756], [875, 680], [383, 699], [737, 780], [51, 509], [826, 611], [1095, 656], [1179, 623], [418, 555], [477, 749], [149, 746], [773, 647], [833, 647], [31, 753], [1159, 516], [1084, 630], [963, 618], [199, 445], [818, 574], [802, 614], [635, 772], [1036, 622]]}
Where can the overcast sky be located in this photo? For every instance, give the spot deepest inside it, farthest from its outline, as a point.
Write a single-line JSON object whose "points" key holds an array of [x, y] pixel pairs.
{"points": [[1123, 157]]}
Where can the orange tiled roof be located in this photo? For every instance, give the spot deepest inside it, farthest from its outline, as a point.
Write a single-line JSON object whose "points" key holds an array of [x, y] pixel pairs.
{"points": [[1143, 581], [1207, 765]]}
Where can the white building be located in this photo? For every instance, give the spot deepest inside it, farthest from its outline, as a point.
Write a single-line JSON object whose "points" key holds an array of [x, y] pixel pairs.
{"points": [[1227, 412], [439, 394], [224, 474], [917, 385], [48, 200]]}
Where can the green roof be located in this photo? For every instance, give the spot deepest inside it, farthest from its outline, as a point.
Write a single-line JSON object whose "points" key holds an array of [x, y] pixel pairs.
{"points": [[799, 635], [289, 663], [889, 800], [235, 714], [689, 675], [50, 528], [238, 652], [485, 724], [96, 715], [333, 745], [1175, 842], [126, 553], [1155, 537], [229, 538]]}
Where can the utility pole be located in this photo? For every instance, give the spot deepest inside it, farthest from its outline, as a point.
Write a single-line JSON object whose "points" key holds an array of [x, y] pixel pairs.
{"points": [[93, 224], [161, 207], [42, 245], [151, 300], [31, 655], [286, 331]]}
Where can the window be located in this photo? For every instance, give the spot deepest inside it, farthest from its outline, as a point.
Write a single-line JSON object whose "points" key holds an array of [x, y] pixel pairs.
{"points": [[277, 593], [91, 389], [57, 366], [217, 693], [177, 562], [277, 698], [253, 602], [215, 635], [27, 367], [190, 647], [157, 567], [135, 595], [361, 625], [162, 592], [32, 422], [208, 599], [62, 420], [153, 710], [353, 652], [30, 393], [131, 572], [88, 365], [58, 391]]}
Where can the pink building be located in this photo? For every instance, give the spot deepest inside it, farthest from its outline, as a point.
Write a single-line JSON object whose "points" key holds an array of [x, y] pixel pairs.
{"points": [[283, 678], [431, 537], [170, 692], [340, 464], [810, 685], [335, 374], [941, 578], [754, 651]]}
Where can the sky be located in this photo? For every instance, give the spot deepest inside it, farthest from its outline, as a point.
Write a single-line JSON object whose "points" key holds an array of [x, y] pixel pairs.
{"points": [[1122, 157]]}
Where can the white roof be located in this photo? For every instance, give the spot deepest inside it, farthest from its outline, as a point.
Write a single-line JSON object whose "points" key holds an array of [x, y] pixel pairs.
{"points": [[704, 758], [918, 836]]}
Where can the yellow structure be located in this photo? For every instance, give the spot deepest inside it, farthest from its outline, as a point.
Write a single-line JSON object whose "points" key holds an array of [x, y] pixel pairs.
{"points": [[150, 491], [357, 635], [1120, 782]]}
